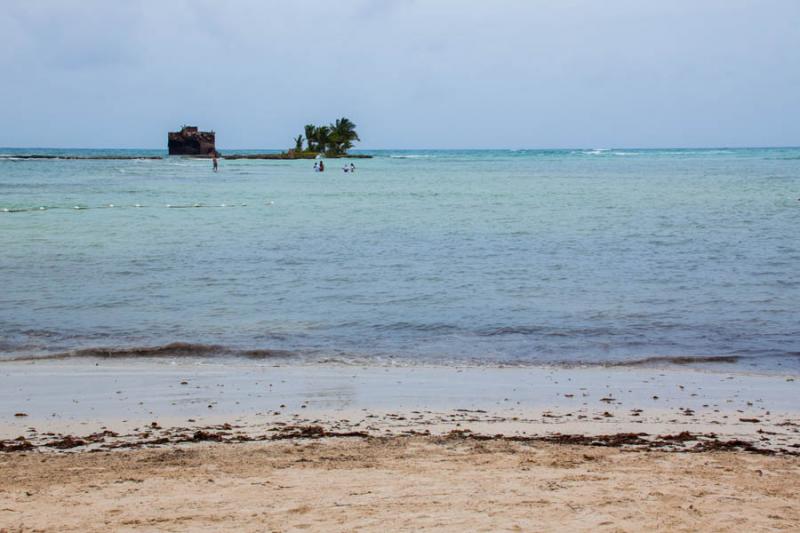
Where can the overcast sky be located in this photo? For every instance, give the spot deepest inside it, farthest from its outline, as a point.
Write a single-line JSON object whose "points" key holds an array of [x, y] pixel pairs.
{"points": [[410, 74]]}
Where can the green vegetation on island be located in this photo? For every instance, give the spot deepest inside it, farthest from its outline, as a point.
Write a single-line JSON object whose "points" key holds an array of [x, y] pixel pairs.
{"points": [[333, 140]]}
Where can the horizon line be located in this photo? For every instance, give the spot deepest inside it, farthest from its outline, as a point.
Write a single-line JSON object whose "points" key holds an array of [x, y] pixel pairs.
{"points": [[354, 150]]}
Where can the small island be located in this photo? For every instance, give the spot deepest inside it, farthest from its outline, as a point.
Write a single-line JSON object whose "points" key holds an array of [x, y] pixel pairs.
{"points": [[332, 140]]}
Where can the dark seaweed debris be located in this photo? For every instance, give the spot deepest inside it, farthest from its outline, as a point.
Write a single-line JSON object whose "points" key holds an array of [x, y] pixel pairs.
{"points": [[226, 433], [20, 444], [313, 432], [633, 441]]}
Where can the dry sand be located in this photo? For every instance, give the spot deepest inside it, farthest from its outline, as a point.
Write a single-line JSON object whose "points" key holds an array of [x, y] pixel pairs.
{"points": [[398, 483]]}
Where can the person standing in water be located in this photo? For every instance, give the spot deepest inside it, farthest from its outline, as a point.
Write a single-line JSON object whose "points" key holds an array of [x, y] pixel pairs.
{"points": [[352, 167], [321, 166], [214, 163]]}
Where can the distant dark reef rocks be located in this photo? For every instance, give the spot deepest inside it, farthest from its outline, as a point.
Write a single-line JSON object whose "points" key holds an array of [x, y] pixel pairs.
{"points": [[291, 154], [81, 157], [283, 155]]}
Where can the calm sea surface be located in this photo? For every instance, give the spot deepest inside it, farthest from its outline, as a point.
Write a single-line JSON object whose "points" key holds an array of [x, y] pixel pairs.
{"points": [[450, 257]]}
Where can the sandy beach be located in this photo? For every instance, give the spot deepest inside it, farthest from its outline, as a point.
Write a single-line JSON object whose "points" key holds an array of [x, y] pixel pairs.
{"points": [[180, 445], [400, 484]]}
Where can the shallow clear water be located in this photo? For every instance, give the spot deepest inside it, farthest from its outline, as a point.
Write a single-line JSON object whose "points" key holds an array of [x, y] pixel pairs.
{"points": [[573, 256]]}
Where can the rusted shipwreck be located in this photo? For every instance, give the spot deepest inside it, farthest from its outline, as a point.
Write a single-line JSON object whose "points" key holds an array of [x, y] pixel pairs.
{"points": [[191, 141]]}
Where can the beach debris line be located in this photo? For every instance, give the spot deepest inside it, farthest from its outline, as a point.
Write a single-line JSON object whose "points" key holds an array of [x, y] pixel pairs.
{"points": [[154, 435]]}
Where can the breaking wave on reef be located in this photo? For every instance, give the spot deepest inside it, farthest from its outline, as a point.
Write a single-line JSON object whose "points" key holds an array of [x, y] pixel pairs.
{"points": [[173, 349], [656, 361], [679, 360]]}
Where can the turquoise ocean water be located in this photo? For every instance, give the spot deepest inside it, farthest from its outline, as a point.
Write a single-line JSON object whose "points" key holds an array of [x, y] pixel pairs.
{"points": [[447, 257]]}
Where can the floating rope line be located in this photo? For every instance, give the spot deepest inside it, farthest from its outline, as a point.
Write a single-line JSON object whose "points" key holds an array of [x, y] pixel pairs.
{"points": [[116, 206], [201, 205]]}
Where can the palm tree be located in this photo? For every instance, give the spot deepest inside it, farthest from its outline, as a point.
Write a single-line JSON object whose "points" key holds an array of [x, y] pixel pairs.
{"points": [[310, 131], [343, 134], [322, 137], [298, 143]]}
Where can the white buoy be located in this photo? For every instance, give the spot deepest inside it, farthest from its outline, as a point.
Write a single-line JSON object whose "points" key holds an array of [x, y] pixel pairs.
{"points": [[42, 208]]}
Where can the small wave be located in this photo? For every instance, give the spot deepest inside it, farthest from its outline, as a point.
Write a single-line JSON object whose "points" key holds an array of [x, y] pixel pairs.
{"points": [[411, 326], [679, 360], [173, 349], [510, 330], [265, 353], [546, 331]]}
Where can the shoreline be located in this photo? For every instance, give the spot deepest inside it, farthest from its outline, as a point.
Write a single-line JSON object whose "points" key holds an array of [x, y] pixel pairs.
{"points": [[243, 358]]}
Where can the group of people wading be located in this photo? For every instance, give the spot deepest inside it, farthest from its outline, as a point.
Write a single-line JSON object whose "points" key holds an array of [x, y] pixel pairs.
{"points": [[320, 167]]}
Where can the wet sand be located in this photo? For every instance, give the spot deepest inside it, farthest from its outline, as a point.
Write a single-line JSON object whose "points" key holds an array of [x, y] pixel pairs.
{"points": [[180, 445], [85, 396]]}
